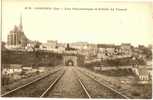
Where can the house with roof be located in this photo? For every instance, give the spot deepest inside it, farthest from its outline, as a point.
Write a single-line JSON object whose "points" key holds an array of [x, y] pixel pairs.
{"points": [[144, 75]]}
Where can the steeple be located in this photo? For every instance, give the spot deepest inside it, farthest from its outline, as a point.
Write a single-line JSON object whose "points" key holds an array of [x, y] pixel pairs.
{"points": [[20, 25]]}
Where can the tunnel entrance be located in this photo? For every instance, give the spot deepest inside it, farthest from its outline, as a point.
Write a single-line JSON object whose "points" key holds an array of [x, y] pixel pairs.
{"points": [[70, 60], [69, 63]]}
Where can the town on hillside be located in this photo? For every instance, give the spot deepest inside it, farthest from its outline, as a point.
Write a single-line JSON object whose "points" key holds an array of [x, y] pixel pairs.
{"points": [[126, 70]]}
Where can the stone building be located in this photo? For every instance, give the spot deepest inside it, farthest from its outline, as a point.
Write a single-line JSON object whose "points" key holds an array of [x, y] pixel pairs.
{"points": [[50, 45], [107, 50], [126, 49], [16, 37]]}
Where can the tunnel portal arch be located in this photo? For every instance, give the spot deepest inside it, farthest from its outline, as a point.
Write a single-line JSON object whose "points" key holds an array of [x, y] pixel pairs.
{"points": [[68, 59], [69, 63]]}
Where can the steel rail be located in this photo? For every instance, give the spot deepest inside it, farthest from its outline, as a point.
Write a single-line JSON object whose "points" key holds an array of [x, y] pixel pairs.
{"points": [[102, 84], [83, 86], [27, 84], [52, 85]]}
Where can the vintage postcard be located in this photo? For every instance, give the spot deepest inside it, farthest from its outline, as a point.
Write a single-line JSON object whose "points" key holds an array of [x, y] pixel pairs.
{"points": [[76, 49]]}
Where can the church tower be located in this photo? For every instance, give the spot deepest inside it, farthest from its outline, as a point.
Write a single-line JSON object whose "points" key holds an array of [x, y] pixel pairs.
{"points": [[20, 25], [16, 37]]}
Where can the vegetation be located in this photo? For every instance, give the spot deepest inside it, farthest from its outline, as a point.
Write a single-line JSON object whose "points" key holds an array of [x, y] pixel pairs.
{"points": [[117, 72], [35, 58], [116, 62]]}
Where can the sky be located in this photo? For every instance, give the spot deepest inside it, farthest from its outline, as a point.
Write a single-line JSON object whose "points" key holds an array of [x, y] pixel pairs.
{"points": [[133, 24]]}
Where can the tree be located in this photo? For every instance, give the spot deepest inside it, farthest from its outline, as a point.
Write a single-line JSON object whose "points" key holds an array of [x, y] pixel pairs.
{"points": [[37, 45]]}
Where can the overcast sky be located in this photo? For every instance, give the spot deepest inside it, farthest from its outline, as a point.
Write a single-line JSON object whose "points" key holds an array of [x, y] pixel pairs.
{"points": [[132, 25]]}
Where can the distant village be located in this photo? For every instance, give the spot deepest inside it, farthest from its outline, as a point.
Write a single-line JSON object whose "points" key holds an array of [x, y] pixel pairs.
{"points": [[17, 40]]}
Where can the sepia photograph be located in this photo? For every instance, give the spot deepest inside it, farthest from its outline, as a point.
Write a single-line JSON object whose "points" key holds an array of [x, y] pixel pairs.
{"points": [[76, 49]]}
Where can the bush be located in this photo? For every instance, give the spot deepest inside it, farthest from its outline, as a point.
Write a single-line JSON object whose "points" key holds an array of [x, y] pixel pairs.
{"points": [[5, 80], [135, 93]]}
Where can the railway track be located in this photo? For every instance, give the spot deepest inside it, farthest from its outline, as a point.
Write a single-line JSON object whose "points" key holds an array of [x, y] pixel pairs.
{"points": [[101, 91], [83, 86], [52, 92], [44, 86], [44, 94], [24, 90]]}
